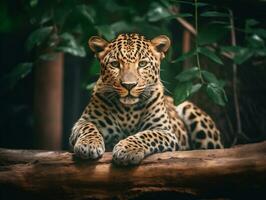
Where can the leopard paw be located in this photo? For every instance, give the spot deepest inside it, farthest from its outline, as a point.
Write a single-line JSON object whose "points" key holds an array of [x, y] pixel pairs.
{"points": [[89, 149], [127, 154]]}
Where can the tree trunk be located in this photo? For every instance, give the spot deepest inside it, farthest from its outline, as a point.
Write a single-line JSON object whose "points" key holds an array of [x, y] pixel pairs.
{"points": [[48, 95], [225, 173]]}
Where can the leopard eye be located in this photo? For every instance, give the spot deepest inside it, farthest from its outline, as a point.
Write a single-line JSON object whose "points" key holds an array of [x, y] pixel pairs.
{"points": [[143, 63], [115, 64]]}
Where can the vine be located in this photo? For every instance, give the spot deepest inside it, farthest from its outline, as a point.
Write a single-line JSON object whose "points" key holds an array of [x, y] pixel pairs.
{"points": [[197, 42]]}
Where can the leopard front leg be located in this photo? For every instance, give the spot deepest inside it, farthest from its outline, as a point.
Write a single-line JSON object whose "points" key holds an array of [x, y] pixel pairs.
{"points": [[134, 148], [86, 140]]}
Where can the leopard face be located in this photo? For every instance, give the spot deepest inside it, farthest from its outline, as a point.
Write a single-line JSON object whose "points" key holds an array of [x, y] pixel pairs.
{"points": [[130, 65]]}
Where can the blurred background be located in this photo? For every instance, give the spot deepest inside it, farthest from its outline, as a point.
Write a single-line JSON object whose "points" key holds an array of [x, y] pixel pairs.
{"points": [[47, 72]]}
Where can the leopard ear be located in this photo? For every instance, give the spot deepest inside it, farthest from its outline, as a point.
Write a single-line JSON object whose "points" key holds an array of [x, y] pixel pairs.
{"points": [[161, 44], [97, 44]]}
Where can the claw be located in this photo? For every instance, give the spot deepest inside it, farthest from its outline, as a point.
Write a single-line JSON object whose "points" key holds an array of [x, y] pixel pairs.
{"points": [[125, 155], [85, 150]]}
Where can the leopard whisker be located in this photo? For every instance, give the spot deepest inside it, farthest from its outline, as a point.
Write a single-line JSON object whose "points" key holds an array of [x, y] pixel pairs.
{"points": [[168, 91]]}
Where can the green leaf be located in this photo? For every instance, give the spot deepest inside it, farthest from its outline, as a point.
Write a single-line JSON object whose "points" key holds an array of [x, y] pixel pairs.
{"points": [[221, 83], [75, 51], [184, 15], [256, 42], [220, 22], [199, 4], [211, 55], [47, 16], [19, 72], [260, 52], [90, 86], [249, 26], [216, 93], [185, 90], [211, 33], [115, 6], [182, 92], [188, 74], [121, 26], [185, 56], [33, 3], [40, 18], [231, 49], [38, 36], [22, 70], [260, 31], [214, 14], [48, 56], [243, 55], [87, 12], [106, 31], [195, 88], [157, 12], [69, 44], [209, 77], [251, 22]]}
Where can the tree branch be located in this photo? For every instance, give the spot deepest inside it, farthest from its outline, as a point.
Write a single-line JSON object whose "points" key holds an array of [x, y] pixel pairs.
{"points": [[239, 131]]}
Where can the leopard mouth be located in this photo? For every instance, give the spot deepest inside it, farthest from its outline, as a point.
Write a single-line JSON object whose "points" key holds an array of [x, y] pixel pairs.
{"points": [[129, 100]]}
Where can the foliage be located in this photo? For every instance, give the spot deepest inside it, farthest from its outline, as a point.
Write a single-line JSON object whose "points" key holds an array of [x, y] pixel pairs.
{"points": [[65, 26], [194, 78]]}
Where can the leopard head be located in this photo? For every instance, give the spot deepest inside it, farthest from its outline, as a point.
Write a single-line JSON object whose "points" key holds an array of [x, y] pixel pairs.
{"points": [[130, 65]]}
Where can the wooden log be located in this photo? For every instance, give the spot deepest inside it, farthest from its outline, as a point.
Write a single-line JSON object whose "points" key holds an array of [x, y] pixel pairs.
{"points": [[224, 173]]}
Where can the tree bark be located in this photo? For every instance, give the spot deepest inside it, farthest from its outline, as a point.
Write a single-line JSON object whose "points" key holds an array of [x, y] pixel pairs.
{"points": [[225, 173], [48, 103]]}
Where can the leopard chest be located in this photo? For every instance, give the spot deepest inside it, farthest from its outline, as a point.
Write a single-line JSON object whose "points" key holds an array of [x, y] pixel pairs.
{"points": [[116, 124]]}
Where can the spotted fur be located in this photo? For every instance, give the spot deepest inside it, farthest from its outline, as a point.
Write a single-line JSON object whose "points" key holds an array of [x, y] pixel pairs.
{"points": [[128, 111]]}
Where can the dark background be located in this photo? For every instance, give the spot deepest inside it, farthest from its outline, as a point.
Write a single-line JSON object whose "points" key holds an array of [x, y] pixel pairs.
{"points": [[16, 103]]}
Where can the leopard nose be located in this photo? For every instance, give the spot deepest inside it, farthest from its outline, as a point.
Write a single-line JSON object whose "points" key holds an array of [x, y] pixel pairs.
{"points": [[128, 85]]}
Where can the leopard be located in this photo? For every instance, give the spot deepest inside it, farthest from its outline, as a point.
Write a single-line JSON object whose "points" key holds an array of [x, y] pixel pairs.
{"points": [[129, 113]]}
